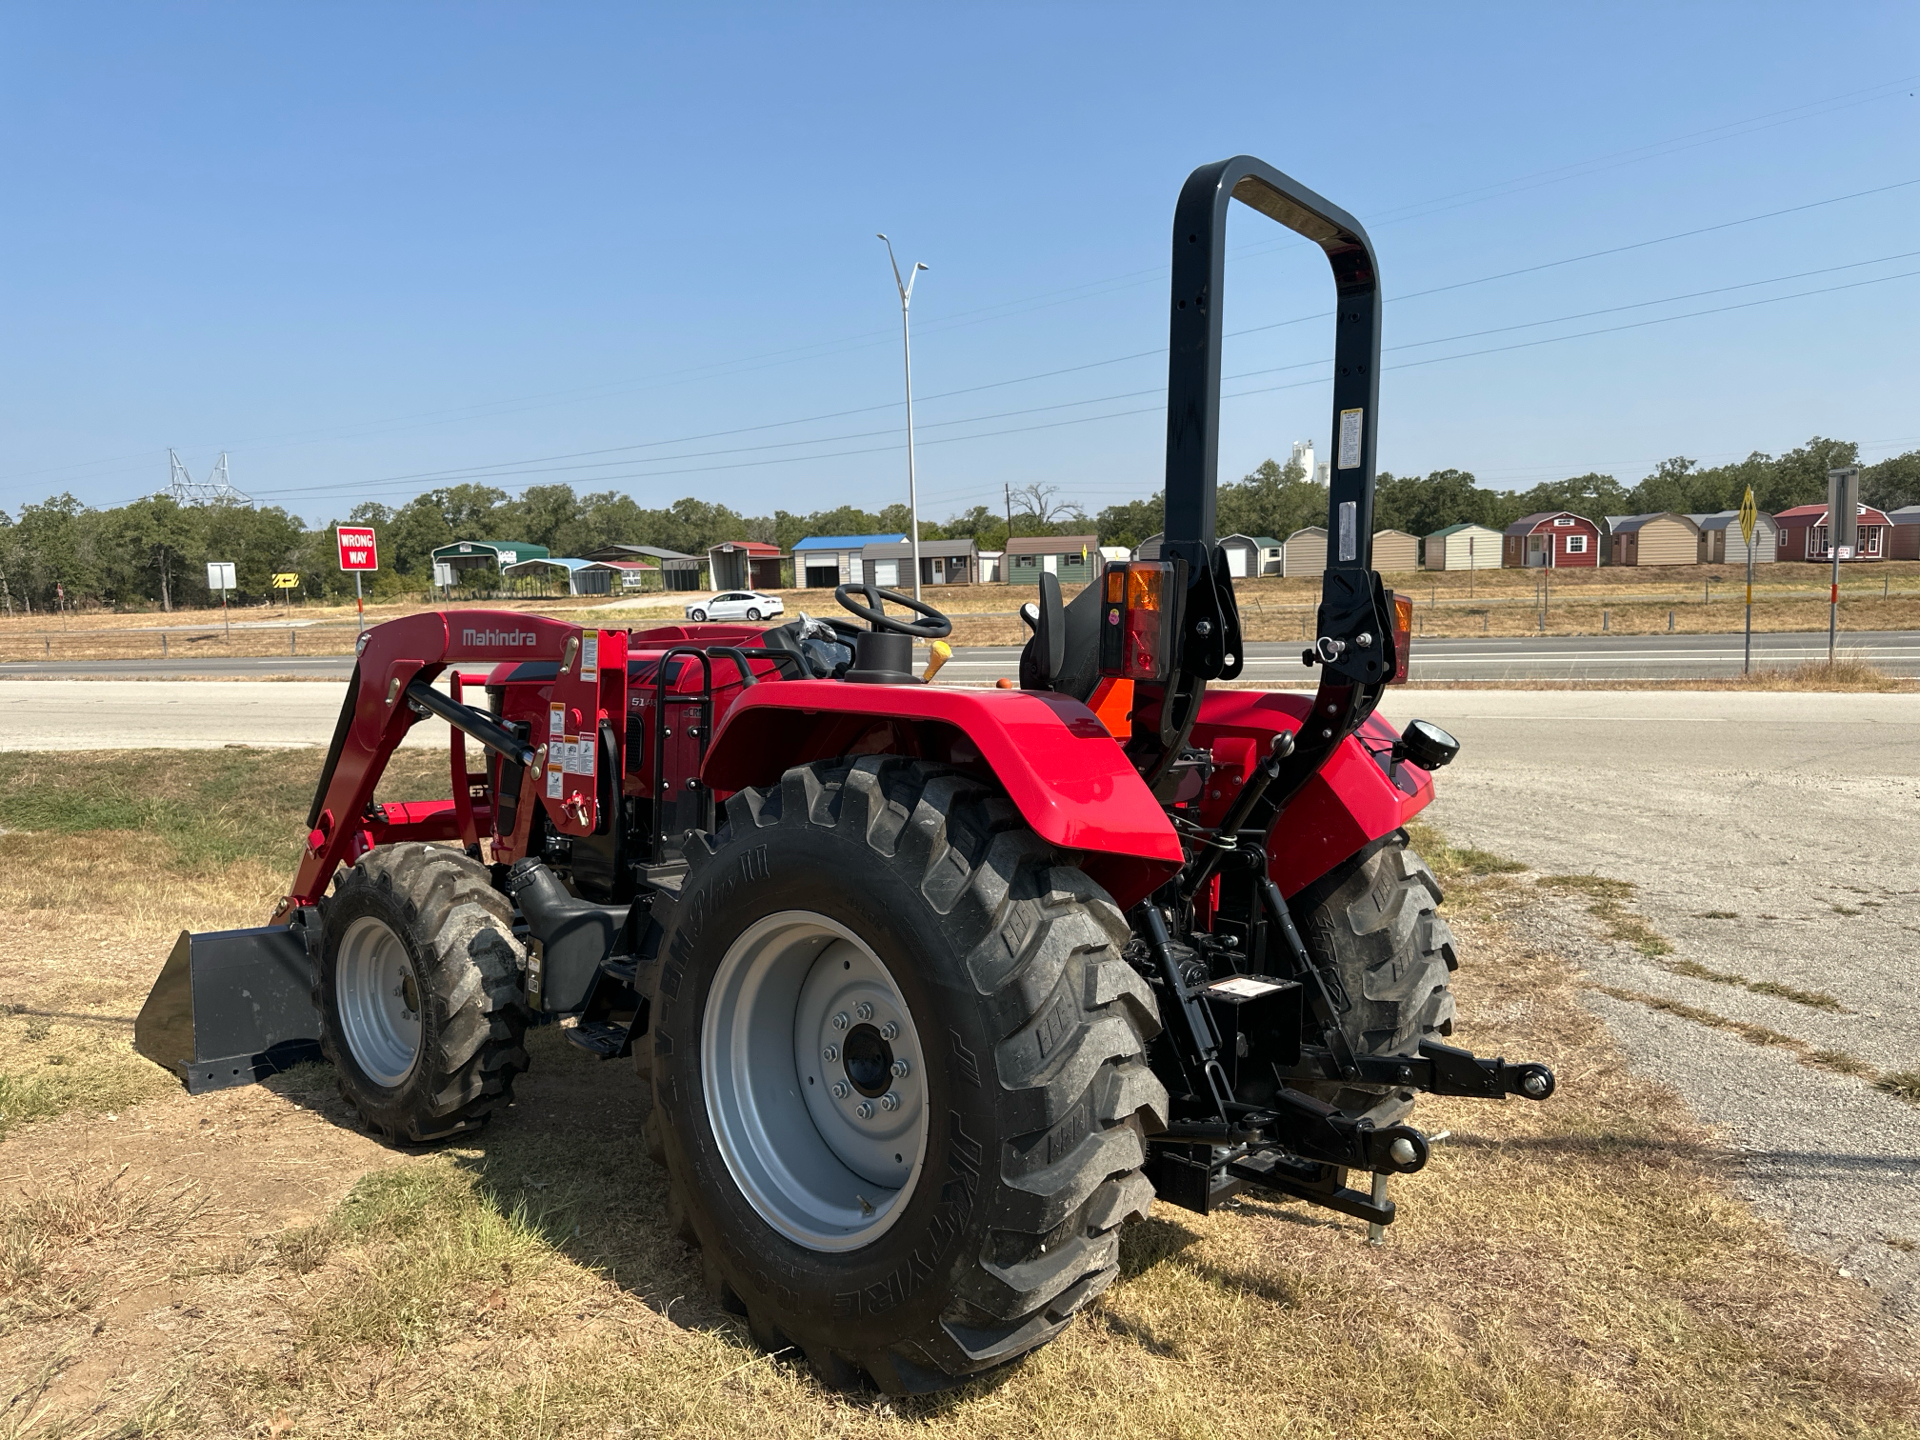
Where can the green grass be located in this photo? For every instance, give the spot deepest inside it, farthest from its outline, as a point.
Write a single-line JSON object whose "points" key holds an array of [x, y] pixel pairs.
{"points": [[47, 1071], [198, 808], [1813, 999]]}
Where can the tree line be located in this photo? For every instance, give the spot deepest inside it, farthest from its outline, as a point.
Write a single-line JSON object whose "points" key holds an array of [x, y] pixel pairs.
{"points": [[152, 553]]}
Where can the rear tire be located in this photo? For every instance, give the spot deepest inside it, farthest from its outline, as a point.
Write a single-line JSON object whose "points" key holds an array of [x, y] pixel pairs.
{"points": [[1007, 968], [753, 614], [420, 991], [1374, 929]]}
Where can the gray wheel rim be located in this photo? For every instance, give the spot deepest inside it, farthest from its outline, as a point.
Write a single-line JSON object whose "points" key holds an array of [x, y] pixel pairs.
{"points": [[815, 1081], [378, 997]]}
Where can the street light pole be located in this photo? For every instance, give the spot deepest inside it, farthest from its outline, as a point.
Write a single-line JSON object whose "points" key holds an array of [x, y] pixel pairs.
{"points": [[905, 287]]}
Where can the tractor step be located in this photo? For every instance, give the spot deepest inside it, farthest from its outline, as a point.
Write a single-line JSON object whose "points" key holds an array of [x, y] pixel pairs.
{"points": [[605, 1039]]}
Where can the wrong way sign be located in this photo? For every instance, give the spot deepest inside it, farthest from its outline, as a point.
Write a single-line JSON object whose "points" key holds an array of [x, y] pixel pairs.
{"points": [[357, 550]]}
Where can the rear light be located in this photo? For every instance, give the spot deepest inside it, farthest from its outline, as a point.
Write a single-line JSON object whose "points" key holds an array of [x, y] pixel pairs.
{"points": [[1136, 621], [1402, 636]]}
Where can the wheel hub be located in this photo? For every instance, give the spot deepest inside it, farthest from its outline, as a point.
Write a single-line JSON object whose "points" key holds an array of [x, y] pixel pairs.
{"points": [[378, 997], [814, 1083]]}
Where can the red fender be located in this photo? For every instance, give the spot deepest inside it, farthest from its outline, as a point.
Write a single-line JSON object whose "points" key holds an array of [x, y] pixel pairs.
{"points": [[1350, 803], [1068, 777]]}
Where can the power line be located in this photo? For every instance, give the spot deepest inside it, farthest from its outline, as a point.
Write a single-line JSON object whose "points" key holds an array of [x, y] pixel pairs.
{"points": [[1086, 289], [1263, 390], [1160, 390]]}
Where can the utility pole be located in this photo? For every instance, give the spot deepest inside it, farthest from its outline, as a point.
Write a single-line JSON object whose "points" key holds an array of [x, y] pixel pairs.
{"points": [[1843, 531], [906, 350]]}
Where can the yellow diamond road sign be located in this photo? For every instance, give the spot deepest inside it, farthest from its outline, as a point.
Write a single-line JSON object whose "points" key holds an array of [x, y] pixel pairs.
{"points": [[286, 580], [1749, 515]]}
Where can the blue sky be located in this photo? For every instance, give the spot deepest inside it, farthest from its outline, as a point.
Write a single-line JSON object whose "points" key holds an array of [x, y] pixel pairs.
{"points": [[369, 249]]}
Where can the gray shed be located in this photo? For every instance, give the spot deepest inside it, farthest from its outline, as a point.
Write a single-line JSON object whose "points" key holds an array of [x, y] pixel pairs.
{"points": [[1720, 542]]}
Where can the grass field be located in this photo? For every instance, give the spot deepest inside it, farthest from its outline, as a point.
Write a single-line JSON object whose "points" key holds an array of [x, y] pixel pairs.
{"points": [[251, 1264], [1704, 599]]}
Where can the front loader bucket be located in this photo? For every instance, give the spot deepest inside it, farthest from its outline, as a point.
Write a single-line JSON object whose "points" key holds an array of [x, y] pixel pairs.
{"points": [[231, 1007]]}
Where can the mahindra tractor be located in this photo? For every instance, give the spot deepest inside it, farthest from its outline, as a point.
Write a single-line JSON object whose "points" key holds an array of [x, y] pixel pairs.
{"points": [[930, 989]]}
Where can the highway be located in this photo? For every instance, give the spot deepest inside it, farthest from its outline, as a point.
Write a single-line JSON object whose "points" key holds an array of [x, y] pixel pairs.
{"points": [[1551, 658]]}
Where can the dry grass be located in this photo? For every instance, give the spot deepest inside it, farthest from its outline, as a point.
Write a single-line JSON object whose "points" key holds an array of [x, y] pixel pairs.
{"points": [[1578, 1268]]}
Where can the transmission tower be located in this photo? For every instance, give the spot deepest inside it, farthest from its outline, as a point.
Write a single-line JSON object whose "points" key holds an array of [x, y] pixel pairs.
{"points": [[216, 489]]}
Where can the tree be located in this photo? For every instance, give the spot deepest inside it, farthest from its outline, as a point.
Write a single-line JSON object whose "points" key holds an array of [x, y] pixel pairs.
{"points": [[1045, 511], [1273, 500], [1131, 521]]}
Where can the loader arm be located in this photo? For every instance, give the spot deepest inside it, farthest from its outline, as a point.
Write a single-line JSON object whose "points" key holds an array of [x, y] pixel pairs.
{"points": [[391, 689]]}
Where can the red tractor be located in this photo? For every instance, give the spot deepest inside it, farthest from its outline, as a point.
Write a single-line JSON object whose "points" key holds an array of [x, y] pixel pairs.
{"points": [[933, 988]]}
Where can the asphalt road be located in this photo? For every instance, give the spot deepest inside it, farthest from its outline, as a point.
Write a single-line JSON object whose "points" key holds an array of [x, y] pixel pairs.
{"points": [[1586, 657], [1794, 813]]}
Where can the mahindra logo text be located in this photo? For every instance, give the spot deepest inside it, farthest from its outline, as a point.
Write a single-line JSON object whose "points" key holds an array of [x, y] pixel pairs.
{"points": [[498, 637]]}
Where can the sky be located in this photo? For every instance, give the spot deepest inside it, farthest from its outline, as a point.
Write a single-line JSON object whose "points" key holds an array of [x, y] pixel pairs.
{"points": [[369, 250]]}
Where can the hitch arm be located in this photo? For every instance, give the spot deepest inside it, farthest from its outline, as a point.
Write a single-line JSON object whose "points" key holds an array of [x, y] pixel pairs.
{"points": [[1449, 1070]]}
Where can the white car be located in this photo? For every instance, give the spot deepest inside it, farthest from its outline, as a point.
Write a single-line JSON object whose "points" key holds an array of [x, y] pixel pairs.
{"points": [[737, 605]]}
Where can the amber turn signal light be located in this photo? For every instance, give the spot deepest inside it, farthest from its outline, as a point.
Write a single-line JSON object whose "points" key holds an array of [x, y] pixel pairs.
{"points": [[1136, 620]]}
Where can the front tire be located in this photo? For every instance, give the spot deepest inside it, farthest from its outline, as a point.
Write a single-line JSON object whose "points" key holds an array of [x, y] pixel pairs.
{"points": [[699, 617], [993, 1215], [419, 991]]}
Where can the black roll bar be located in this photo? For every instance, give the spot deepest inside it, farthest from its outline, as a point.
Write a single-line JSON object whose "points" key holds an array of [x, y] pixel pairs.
{"points": [[1193, 371]]}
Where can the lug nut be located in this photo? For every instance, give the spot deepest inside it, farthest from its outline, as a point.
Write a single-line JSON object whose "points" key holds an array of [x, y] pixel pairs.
{"points": [[1402, 1151], [865, 1110], [900, 1068], [839, 1089], [889, 1101], [863, 1010], [830, 1054], [840, 1021], [889, 1031]]}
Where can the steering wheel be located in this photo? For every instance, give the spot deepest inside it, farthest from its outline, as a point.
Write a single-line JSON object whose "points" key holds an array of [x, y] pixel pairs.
{"points": [[934, 627]]}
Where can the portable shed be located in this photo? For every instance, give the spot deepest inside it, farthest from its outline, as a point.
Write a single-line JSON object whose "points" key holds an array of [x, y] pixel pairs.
{"points": [[1395, 550], [678, 570], [622, 575], [1249, 555], [1149, 548], [821, 562], [1803, 534], [487, 554], [1903, 534], [1551, 539], [990, 561], [745, 565], [1074, 558], [1662, 538], [1720, 542], [1465, 546], [942, 562], [1306, 551], [546, 571]]}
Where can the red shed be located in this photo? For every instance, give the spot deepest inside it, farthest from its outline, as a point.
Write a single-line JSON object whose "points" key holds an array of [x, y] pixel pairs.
{"points": [[1553, 539], [1803, 534]]}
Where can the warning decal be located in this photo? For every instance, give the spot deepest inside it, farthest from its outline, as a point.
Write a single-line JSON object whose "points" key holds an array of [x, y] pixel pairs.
{"points": [[556, 720], [590, 657], [1349, 458], [1243, 987]]}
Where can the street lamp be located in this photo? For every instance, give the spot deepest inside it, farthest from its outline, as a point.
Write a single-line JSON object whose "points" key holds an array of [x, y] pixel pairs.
{"points": [[905, 287]]}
